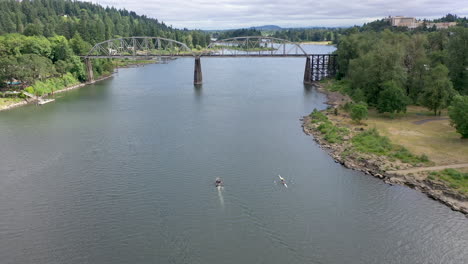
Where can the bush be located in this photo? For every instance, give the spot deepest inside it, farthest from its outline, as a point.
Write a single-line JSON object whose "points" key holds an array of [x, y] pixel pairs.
{"points": [[458, 113], [347, 106], [30, 90], [332, 133], [455, 179], [406, 156], [318, 116], [341, 86], [371, 141], [359, 112], [40, 88]]}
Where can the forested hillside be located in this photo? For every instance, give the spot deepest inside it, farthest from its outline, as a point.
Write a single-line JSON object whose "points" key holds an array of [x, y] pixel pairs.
{"points": [[390, 70], [93, 22], [41, 40]]}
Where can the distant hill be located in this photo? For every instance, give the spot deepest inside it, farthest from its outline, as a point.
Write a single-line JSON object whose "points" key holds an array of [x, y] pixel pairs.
{"points": [[268, 27]]}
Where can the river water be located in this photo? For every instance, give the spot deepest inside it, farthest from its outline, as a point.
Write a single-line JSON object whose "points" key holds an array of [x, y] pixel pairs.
{"points": [[122, 171]]}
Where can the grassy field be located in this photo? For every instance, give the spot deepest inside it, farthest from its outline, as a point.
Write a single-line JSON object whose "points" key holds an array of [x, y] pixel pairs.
{"points": [[5, 102], [436, 138], [317, 42]]}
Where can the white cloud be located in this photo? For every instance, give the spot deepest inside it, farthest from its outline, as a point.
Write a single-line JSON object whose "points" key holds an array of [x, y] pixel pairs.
{"points": [[219, 14]]}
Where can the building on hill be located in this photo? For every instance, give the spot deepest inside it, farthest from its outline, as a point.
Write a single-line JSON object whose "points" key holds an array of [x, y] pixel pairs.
{"points": [[400, 21], [412, 23]]}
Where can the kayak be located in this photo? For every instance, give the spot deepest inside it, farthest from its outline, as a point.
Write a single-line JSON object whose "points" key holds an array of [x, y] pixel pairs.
{"points": [[219, 182], [283, 181]]}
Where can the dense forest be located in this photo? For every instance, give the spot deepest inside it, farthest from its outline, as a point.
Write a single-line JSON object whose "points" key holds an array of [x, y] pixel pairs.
{"points": [[41, 40], [93, 22], [390, 70], [373, 61]]}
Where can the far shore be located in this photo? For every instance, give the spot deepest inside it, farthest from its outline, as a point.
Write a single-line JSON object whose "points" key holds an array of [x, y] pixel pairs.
{"points": [[27, 101], [317, 42]]}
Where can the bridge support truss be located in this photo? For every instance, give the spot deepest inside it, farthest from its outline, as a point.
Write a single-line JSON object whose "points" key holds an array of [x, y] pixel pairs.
{"points": [[89, 70], [319, 67], [197, 73]]}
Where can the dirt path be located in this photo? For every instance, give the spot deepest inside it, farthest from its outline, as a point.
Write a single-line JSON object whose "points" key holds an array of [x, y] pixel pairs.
{"points": [[435, 168], [420, 122]]}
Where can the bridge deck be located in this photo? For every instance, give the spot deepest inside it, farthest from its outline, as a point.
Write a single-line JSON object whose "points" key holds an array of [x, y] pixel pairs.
{"points": [[203, 55]]}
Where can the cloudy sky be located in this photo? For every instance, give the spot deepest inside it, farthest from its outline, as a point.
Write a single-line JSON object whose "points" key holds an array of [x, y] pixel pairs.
{"points": [[225, 14]]}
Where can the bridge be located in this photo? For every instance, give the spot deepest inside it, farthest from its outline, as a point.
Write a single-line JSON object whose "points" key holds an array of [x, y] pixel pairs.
{"points": [[317, 66]]}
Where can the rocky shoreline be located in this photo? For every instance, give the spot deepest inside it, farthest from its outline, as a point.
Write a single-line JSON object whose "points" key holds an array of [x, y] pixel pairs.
{"points": [[377, 165]]}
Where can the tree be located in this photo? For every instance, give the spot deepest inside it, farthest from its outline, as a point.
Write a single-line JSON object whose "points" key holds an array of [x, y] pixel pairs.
{"points": [[33, 67], [392, 99], [458, 113], [415, 63], [458, 59], [359, 112], [79, 46], [438, 89], [62, 67], [378, 63], [60, 48], [8, 66]]}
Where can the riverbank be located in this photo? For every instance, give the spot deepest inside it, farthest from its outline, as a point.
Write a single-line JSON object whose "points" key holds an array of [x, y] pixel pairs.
{"points": [[338, 135], [326, 43], [10, 103]]}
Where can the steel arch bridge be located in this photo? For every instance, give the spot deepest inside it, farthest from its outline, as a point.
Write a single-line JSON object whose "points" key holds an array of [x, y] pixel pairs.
{"points": [[139, 47], [318, 66], [254, 46]]}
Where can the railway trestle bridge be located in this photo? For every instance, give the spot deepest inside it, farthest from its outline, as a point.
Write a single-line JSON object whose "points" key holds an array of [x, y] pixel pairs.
{"points": [[317, 66]]}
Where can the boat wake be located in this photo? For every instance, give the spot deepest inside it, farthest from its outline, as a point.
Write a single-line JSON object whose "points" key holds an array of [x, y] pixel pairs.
{"points": [[220, 195]]}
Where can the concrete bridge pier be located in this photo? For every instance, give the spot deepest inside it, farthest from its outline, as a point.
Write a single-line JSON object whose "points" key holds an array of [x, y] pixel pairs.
{"points": [[89, 69], [307, 72], [197, 76]]}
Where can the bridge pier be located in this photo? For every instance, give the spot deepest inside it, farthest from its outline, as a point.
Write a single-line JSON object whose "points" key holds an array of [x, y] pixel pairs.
{"points": [[197, 74], [89, 70], [307, 72]]}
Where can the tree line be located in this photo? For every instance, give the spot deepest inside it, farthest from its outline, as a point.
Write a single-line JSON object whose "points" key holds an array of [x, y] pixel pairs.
{"points": [[42, 39], [389, 70], [93, 22]]}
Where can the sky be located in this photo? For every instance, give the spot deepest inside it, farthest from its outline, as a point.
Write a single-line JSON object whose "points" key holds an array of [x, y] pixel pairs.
{"points": [[229, 14]]}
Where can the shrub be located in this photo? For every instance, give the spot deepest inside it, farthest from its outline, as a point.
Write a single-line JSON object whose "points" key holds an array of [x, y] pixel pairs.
{"points": [[371, 141], [458, 115], [30, 90], [332, 133], [347, 106], [318, 116], [456, 179], [359, 112], [406, 156]]}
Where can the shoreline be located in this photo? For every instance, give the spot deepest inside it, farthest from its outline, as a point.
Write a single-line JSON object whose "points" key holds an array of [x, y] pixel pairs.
{"points": [[27, 101], [324, 43], [374, 165]]}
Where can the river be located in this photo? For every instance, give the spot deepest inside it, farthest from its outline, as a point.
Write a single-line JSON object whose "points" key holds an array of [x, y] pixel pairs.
{"points": [[122, 171]]}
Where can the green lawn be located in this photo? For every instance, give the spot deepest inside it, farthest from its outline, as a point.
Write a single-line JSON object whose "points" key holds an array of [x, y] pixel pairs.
{"points": [[5, 102]]}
